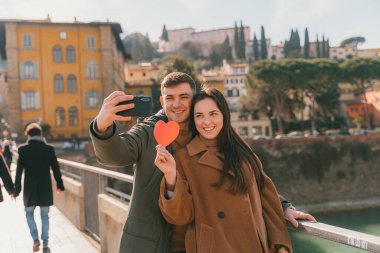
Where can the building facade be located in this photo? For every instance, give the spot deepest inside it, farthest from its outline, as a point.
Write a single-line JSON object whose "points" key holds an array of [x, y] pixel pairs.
{"points": [[206, 38], [234, 89], [59, 73]]}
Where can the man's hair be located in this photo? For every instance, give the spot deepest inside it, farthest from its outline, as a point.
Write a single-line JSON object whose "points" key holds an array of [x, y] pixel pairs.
{"points": [[176, 78], [33, 129]]}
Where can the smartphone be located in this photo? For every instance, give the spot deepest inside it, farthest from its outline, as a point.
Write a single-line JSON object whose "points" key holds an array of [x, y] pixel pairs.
{"points": [[143, 107]]}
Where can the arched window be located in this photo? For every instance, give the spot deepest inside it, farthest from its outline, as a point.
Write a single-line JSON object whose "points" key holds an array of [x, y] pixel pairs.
{"points": [[30, 100], [58, 84], [70, 54], [73, 116], [57, 53], [60, 117], [93, 99], [29, 70], [92, 70], [71, 84]]}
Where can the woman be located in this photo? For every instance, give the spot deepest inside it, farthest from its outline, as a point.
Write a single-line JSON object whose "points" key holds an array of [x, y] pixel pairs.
{"points": [[7, 153], [217, 186], [6, 177]]}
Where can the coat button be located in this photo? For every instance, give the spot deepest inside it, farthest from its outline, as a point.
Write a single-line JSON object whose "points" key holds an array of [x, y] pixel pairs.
{"points": [[221, 214]]}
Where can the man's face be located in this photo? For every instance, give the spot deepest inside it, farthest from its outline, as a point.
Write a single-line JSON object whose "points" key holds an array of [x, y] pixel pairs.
{"points": [[176, 102]]}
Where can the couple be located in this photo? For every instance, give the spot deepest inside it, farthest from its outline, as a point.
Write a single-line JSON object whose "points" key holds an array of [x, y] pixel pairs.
{"points": [[216, 224], [36, 158]]}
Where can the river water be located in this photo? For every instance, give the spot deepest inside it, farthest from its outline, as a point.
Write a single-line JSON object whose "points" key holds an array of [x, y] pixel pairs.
{"points": [[365, 221]]}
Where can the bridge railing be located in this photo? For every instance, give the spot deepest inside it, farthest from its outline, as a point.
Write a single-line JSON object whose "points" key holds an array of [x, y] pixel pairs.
{"points": [[112, 208]]}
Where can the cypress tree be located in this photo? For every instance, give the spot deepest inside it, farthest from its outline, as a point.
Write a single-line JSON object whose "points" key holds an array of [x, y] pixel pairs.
{"points": [[242, 41], [255, 50], [328, 48], [264, 52], [306, 47], [323, 47], [297, 44], [286, 49], [318, 48], [164, 35], [236, 41], [227, 51]]}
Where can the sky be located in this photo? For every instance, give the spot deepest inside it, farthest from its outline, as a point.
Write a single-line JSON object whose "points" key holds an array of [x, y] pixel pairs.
{"points": [[336, 19]]}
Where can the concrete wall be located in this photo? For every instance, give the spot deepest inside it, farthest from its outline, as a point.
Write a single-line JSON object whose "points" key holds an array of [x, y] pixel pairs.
{"points": [[71, 202], [112, 215]]}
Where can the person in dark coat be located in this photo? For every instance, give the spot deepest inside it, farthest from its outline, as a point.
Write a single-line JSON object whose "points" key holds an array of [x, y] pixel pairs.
{"points": [[8, 156], [6, 177], [37, 158]]}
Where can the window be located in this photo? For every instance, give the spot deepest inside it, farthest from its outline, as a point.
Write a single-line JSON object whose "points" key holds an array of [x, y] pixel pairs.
{"points": [[70, 54], [60, 117], [73, 116], [57, 54], [235, 92], [243, 131], [58, 84], [93, 99], [90, 42], [27, 41], [30, 100], [143, 74], [229, 93], [63, 35], [257, 130], [92, 70], [29, 70], [71, 84], [130, 74]]}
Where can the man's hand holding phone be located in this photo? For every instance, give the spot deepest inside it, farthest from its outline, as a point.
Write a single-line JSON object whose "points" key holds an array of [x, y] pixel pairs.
{"points": [[108, 112]]}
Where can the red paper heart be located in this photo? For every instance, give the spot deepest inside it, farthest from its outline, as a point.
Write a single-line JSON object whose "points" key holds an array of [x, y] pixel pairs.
{"points": [[166, 133]]}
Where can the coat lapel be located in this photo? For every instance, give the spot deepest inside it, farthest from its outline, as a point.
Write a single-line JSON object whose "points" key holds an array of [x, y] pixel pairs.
{"points": [[208, 158]]}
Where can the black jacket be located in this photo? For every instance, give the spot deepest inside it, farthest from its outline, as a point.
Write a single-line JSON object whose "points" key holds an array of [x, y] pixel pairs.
{"points": [[6, 177], [36, 157]]}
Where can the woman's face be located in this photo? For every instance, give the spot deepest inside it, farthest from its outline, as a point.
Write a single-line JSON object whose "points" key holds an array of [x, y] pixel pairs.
{"points": [[208, 118]]}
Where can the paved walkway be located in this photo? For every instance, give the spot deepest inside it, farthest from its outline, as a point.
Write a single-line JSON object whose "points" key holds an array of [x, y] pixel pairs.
{"points": [[15, 237]]}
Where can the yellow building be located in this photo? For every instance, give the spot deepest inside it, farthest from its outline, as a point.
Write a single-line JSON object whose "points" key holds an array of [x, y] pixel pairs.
{"points": [[140, 78], [214, 79], [59, 73]]}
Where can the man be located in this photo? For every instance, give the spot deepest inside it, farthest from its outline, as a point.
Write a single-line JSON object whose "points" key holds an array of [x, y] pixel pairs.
{"points": [[36, 157], [145, 229]]}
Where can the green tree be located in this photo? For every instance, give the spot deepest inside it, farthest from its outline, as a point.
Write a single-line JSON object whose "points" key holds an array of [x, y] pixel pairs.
{"points": [[263, 45], [140, 47], [255, 50], [180, 64], [227, 50], [328, 49], [241, 42], [323, 47], [269, 77], [306, 47], [236, 40], [191, 49], [321, 74], [353, 40], [164, 35], [318, 48], [360, 72]]}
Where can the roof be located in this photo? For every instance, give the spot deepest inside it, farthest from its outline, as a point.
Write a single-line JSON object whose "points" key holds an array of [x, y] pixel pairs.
{"points": [[115, 27]]}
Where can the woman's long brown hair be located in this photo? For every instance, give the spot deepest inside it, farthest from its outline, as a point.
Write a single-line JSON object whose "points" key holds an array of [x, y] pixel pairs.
{"points": [[235, 150]]}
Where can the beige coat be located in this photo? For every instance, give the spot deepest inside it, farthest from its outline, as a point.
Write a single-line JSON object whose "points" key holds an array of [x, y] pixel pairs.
{"points": [[220, 221]]}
